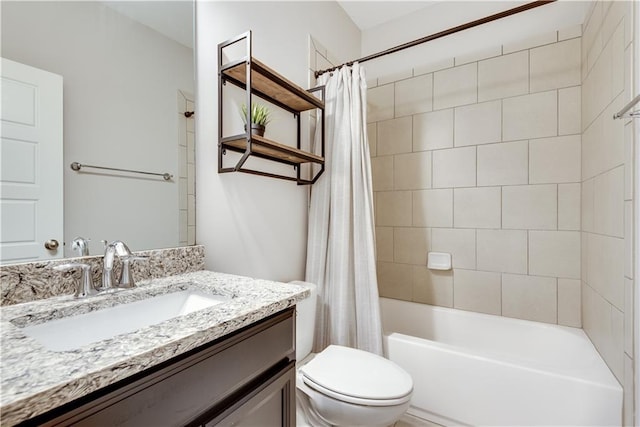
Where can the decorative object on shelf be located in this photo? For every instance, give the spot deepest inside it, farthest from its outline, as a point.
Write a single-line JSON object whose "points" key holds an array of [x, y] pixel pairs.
{"points": [[258, 80], [259, 118]]}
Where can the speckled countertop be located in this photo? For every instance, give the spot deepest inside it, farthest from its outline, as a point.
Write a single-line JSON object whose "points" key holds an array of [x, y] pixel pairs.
{"points": [[34, 380]]}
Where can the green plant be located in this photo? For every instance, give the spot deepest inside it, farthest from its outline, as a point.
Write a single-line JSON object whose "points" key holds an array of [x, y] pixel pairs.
{"points": [[259, 114]]}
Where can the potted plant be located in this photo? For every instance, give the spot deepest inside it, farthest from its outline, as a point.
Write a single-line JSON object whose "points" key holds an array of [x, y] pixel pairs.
{"points": [[259, 118]]}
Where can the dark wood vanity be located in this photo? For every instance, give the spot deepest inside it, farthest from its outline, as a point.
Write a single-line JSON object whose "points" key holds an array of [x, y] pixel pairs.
{"points": [[244, 378]]}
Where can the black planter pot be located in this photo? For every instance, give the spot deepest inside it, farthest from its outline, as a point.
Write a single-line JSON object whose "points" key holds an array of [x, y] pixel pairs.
{"points": [[256, 129]]}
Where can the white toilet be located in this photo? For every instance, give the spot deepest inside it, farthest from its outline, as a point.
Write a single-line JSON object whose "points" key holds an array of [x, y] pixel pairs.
{"points": [[342, 386]]}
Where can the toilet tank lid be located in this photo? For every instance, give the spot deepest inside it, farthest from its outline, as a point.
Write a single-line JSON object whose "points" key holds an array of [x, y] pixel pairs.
{"points": [[356, 373]]}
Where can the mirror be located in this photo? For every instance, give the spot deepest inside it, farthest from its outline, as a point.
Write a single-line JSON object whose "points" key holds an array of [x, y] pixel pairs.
{"points": [[128, 78]]}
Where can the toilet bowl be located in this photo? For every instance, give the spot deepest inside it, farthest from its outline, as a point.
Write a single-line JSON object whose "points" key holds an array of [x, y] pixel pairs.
{"points": [[343, 386]]}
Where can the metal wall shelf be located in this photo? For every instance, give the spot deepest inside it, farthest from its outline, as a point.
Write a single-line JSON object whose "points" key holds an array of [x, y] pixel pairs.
{"points": [[258, 79]]}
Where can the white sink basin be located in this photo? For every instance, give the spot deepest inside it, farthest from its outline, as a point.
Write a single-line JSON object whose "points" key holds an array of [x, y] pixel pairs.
{"points": [[70, 333]]}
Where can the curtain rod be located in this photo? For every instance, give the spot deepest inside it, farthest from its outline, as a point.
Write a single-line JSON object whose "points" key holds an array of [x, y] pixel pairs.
{"points": [[443, 33]]}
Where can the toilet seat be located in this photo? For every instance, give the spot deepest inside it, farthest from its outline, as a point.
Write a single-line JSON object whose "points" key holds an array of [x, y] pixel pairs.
{"points": [[357, 377]]}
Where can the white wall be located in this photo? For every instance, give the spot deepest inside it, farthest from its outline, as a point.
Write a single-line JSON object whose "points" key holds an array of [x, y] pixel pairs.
{"points": [[254, 225], [120, 88]]}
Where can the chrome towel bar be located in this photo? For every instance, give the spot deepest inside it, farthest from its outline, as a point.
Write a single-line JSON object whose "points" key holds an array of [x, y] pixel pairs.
{"points": [[77, 166], [621, 114]]}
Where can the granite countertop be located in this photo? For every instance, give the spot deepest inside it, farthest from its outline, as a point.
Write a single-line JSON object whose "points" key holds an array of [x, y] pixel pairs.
{"points": [[34, 380]]}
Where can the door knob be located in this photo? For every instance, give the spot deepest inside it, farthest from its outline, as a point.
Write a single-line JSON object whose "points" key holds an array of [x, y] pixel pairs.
{"points": [[51, 244]]}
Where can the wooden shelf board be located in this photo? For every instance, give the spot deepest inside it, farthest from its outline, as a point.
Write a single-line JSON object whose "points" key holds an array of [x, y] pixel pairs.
{"points": [[269, 148], [274, 85]]}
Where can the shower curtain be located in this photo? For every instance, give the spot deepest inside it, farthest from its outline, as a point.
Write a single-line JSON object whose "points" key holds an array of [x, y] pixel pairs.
{"points": [[341, 240]]}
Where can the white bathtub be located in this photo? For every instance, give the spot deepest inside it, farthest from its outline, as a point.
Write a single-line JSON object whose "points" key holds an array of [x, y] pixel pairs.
{"points": [[478, 369]]}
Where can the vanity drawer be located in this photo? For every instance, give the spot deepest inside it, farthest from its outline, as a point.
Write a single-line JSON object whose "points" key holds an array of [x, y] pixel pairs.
{"points": [[184, 389]]}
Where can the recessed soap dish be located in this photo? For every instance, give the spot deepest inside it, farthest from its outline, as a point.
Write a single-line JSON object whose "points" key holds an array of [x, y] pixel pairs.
{"points": [[439, 261]]}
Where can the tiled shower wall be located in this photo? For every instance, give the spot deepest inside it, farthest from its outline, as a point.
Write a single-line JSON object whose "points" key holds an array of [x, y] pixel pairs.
{"points": [[479, 156], [607, 189]]}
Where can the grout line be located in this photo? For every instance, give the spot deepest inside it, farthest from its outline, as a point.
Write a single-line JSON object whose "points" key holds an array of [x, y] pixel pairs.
{"points": [[558, 112], [527, 252], [557, 206], [529, 70]]}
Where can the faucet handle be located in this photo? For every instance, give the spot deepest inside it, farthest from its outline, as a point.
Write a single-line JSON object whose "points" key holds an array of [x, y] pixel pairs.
{"points": [[126, 277], [85, 287]]}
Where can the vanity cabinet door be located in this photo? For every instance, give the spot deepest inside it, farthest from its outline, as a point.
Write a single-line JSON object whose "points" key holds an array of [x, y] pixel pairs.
{"points": [[271, 405]]}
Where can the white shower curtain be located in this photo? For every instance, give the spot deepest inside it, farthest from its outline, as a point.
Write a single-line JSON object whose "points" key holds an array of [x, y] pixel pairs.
{"points": [[341, 241]]}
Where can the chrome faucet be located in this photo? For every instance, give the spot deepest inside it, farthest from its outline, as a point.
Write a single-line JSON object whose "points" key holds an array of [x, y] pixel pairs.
{"points": [[86, 287], [81, 245], [120, 249], [114, 248]]}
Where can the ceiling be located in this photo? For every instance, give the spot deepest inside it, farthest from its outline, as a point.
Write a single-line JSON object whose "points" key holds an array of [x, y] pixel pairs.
{"points": [[368, 14]]}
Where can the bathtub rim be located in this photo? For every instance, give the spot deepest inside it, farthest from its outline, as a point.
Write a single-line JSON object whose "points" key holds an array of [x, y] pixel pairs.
{"points": [[598, 372]]}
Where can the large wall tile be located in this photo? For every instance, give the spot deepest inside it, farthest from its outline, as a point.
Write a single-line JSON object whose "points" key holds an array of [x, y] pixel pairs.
{"points": [[555, 66], [569, 307], [476, 207], [530, 207], [478, 124], [529, 298], [384, 244], [414, 95], [569, 206], [460, 243], [454, 167], [569, 111], [614, 351], [479, 291], [629, 328], [628, 161], [433, 130], [530, 116], [628, 239], [410, 245], [503, 164], [380, 103], [603, 142], [479, 55], [503, 76], [432, 287], [394, 136], [424, 65], [628, 416], [455, 86], [433, 208], [584, 254], [605, 267], [587, 205], [570, 32], [412, 171], [609, 203], [390, 77], [554, 160], [530, 42], [554, 253], [395, 280], [502, 251], [382, 173], [393, 208]]}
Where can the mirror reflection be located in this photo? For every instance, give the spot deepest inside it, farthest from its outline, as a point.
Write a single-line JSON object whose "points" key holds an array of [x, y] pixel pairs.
{"points": [[124, 74]]}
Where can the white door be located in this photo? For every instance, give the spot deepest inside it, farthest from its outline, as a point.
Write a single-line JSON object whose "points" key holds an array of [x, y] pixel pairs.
{"points": [[31, 169]]}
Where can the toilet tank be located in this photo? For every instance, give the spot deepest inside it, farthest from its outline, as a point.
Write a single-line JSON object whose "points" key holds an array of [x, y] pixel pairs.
{"points": [[305, 321]]}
